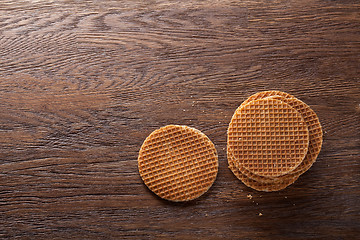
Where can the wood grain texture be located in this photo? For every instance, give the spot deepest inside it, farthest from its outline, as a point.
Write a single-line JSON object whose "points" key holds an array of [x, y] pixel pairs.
{"points": [[82, 83]]}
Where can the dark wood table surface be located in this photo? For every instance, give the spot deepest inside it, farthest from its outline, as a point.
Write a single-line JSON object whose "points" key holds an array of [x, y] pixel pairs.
{"points": [[83, 83]]}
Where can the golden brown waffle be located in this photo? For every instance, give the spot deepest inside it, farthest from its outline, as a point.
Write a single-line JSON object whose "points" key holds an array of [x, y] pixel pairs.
{"points": [[310, 119], [240, 170], [256, 177], [178, 163], [268, 137]]}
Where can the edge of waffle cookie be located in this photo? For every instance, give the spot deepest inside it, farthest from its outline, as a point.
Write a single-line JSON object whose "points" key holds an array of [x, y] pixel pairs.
{"points": [[275, 185], [255, 177]]}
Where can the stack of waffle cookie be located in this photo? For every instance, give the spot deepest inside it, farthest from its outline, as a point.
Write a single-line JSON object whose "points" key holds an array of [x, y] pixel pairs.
{"points": [[272, 139]]}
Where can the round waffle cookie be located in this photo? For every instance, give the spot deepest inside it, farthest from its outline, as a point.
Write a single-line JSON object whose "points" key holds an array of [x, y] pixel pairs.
{"points": [[311, 120], [268, 137], [274, 185], [178, 163], [255, 177], [241, 170]]}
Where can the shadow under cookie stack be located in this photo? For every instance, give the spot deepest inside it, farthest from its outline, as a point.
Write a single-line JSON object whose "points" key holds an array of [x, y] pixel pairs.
{"points": [[272, 139]]}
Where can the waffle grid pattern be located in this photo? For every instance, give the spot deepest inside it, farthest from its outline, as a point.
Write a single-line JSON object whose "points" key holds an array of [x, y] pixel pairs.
{"points": [[270, 186], [265, 187], [178, 163], [268, 137]]}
